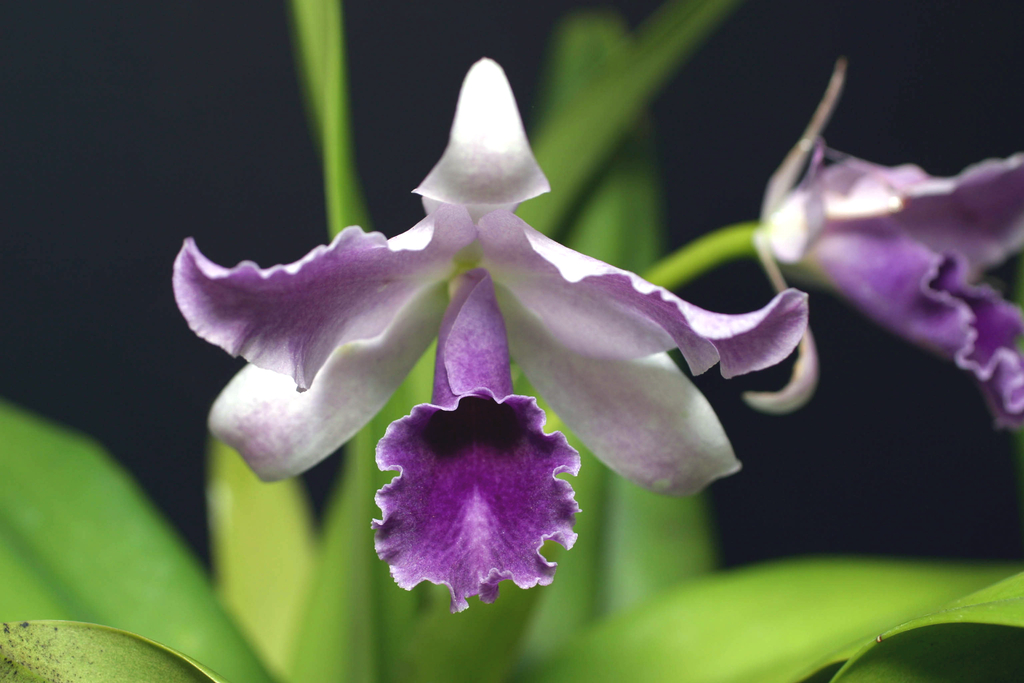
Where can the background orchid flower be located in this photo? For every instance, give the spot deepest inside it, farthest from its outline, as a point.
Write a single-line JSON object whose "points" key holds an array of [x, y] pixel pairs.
{"points": [[907, 249], [345, 324]]}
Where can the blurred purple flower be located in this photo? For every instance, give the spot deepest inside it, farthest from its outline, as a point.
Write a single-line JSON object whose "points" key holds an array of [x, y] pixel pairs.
{"points": [[907, 250], [476, 494]]}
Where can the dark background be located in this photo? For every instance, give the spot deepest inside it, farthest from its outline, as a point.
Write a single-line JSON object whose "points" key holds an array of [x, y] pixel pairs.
{"points": [[126, 126]]}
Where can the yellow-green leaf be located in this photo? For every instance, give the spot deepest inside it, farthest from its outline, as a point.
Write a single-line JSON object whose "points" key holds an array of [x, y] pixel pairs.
{"points": [[263, 547], [66, 651]]}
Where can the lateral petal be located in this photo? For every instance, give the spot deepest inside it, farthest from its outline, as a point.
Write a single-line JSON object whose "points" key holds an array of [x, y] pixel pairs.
{"points": [[925, 298], [281, 432], [600, 311], [642, 417], [291, 318]]}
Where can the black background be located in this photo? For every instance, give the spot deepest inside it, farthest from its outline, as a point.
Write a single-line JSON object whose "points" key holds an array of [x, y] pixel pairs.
{"points": [[126, 126]]}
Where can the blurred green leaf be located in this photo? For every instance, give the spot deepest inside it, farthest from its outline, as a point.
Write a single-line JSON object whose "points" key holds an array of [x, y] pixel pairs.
{"points": [[60, 651], [581, 45], [318, 33], [654, 542], [577, 139], [99, 551], [355, 612], [978, 637], [772, 623], [263, 546]]}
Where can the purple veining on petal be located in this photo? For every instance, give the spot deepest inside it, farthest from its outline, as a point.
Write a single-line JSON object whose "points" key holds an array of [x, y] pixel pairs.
{"points": [[290, 318], [475, 498], [924, 297], [281, 432], [601, 311], [476, 495]]}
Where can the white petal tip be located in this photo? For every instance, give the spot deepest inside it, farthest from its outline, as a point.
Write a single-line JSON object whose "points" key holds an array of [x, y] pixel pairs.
{"points": [[488, 159], [800, 389]]}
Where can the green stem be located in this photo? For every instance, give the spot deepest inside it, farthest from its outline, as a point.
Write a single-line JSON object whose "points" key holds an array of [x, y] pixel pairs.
{"points": [[726, 244]]}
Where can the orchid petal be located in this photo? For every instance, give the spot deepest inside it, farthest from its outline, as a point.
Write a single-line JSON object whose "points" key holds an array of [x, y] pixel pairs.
{"points": [[800, 388], [924, 297], [476, 494], [475, 498], [642, 417], [290, 318], [978, 214], [600, 311], [488, 159], [281, 432]]}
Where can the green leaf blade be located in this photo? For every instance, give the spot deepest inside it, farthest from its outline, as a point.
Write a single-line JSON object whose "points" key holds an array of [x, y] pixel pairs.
{"points": [[772, 623], [319, 37], [263, 547], [977, 637], [106, 555], [61, 651]]}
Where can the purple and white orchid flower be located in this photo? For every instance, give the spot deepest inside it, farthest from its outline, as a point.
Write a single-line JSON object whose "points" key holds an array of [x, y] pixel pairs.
{"points": [[476, 494], [907, 249]]}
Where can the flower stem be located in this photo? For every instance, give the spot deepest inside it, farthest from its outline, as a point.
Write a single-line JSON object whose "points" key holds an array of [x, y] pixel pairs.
{"points": [[726, 244]]}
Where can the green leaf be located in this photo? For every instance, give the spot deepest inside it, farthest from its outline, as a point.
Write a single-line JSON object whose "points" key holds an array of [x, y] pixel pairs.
{"points": [[582, 43], [575, 142], [771, 623], [59, 651], [343, 637], [263, 546], [978, 637], [99, 551], [654, 542], [318, 34], [943, 654]]}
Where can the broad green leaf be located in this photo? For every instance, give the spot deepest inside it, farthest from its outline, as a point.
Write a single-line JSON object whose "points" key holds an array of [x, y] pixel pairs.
{"points": [[61, 651], [479, 645], [582, 43], [978, 637], [654, 542], [944, 653], [318, 33], [81, 525], [263, 546], [335, 641], [575, 142], [771, 623], [347, 634], [24, 590]]}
